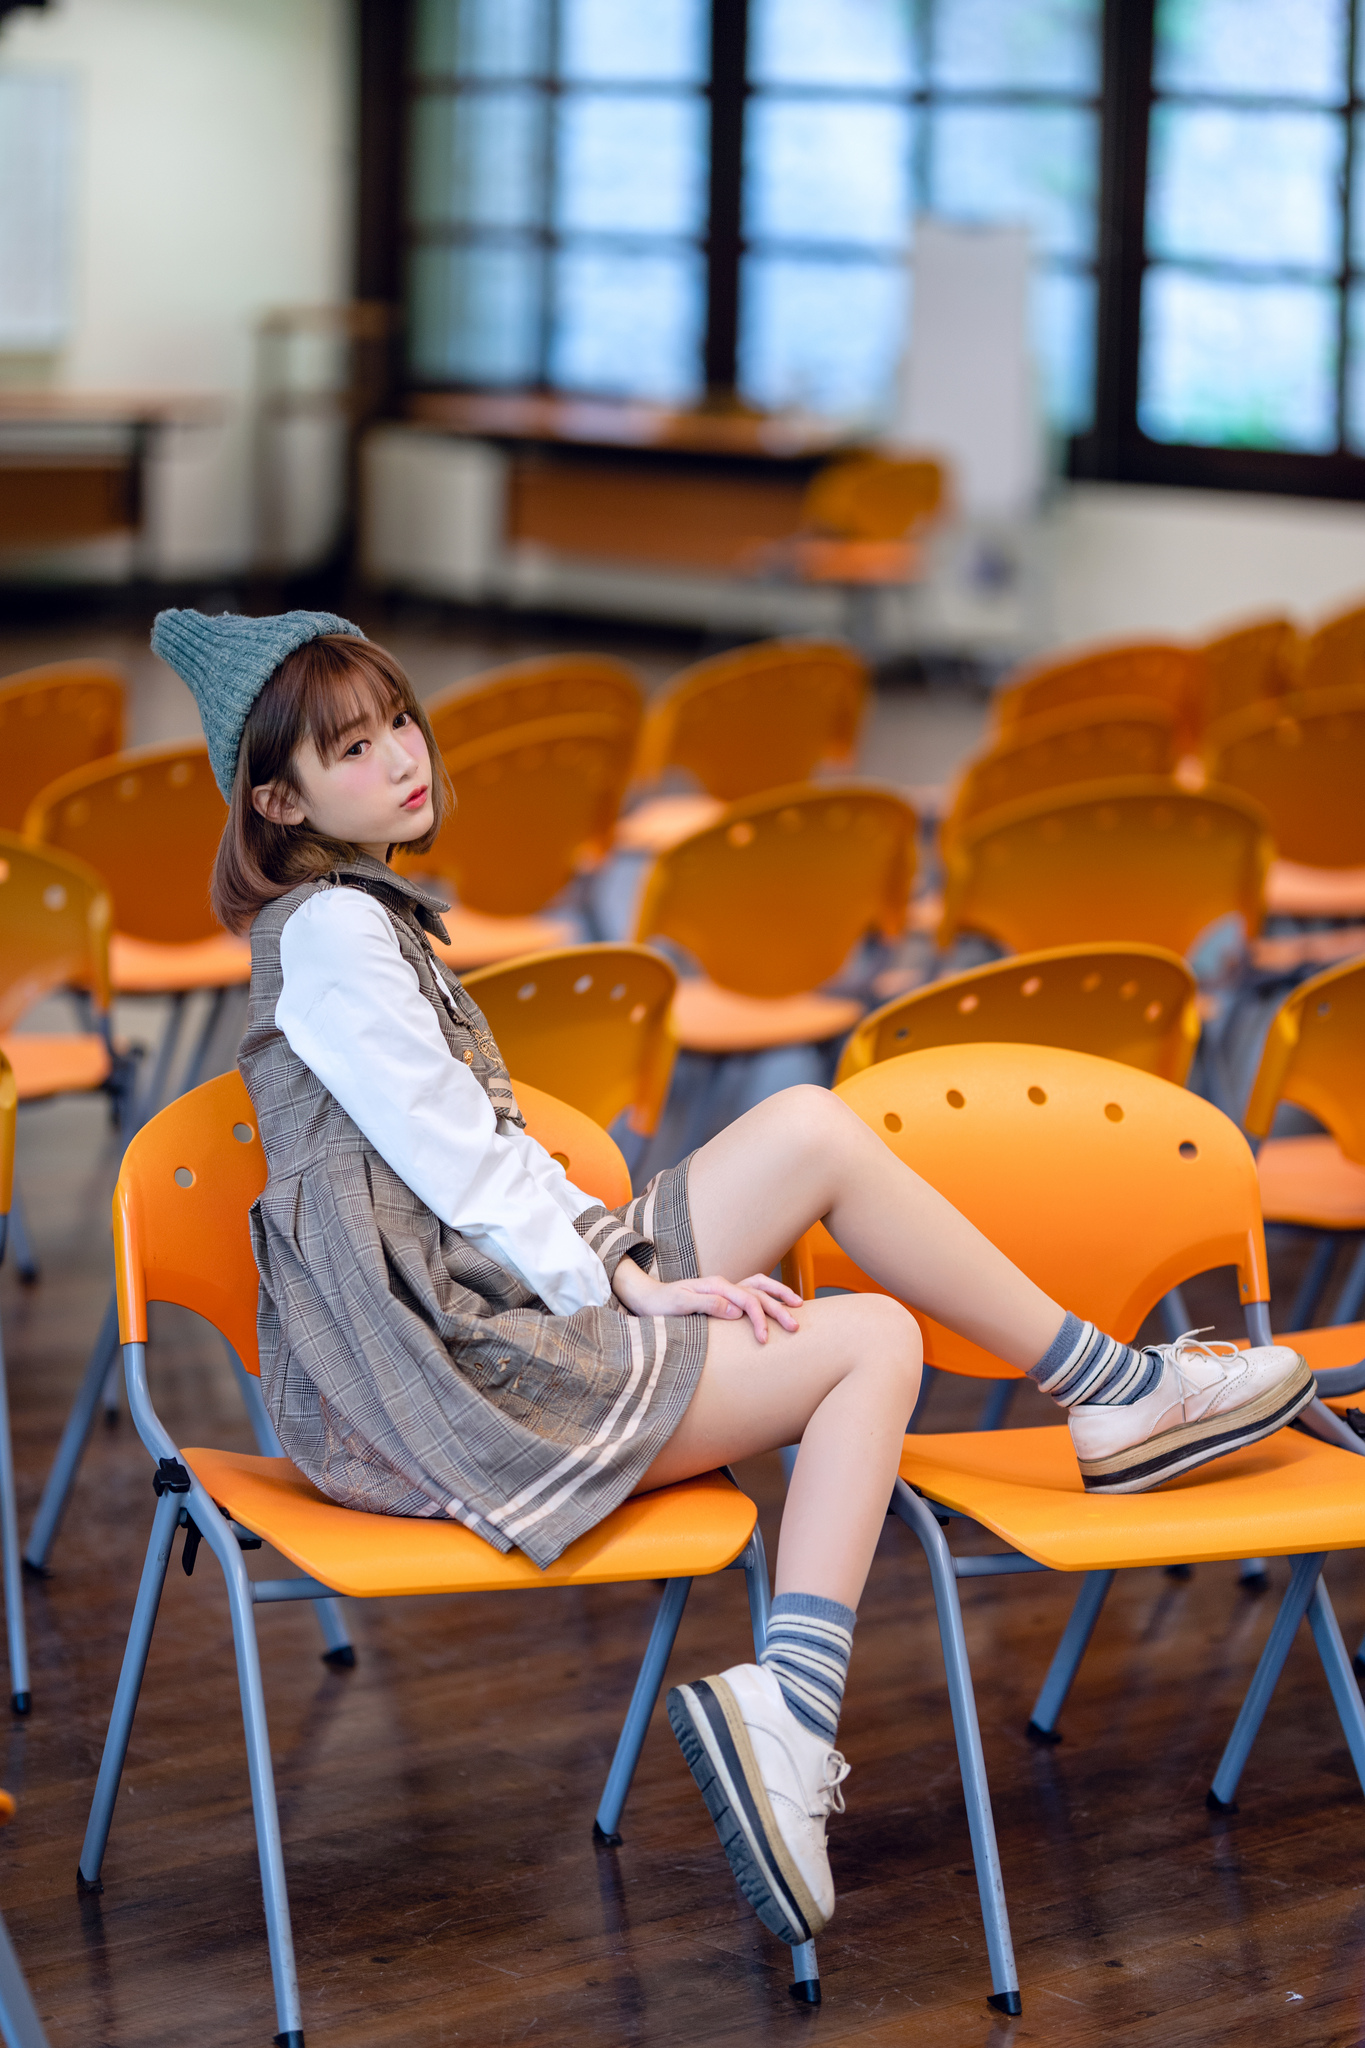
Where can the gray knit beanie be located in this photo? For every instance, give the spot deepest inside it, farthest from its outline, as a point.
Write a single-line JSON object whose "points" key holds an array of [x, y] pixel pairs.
{"points": [[228, 661]]}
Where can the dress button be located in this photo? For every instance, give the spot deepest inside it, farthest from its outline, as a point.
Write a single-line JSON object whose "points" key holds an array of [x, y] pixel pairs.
{"points": [[468, 1057]]}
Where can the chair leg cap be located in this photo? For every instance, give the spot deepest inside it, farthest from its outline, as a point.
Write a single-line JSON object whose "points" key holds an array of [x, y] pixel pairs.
{"points": [[1048, 1737], [1358, 1665], [21, 1701], [1255, 1582], [340, 1659], [806, 1990], [1006, 2001], [87, 1887], [35, 1571], [1179, 1571], [603, 1839], [293, 2039], [1217, 1805]]}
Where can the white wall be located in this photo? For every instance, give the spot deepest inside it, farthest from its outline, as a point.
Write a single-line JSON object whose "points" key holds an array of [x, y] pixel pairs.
{"points": [[214, 182]]}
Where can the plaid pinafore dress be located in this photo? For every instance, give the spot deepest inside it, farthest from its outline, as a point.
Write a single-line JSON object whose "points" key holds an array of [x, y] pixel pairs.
{"points": [[407, 1372]]}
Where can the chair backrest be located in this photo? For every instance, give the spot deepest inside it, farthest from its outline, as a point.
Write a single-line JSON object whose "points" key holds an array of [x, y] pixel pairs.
{"points": [[1084, 743], [873, 497], [53, 719], [1315, 1056], [759, 718], [772, 898], [1138, 858], [9, 1118], [1302, 758], [588, 1024], [190, 1176], [533, 806], [54, 928], [1333, 656], [1249, 663], [1107, 1186], [148, 822], [1160, 669], [1135, 1004], [547, 687]]}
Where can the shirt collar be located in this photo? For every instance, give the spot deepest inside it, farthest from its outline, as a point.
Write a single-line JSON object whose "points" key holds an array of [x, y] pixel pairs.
{"points": [[380, 880]]}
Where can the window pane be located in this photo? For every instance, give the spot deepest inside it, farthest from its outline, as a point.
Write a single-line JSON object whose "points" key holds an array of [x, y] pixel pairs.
{"points": [[825, 336], [475, 315], [629, 325], [1245, 187], [1048, 44], [1039, 165], [831, 42], [1064, 309], [481, 38], [477, 158], [664, 40], [1358, 193], [632, 161], [1355, 374], [1269, 46], [815, 171], [1237, 365]]}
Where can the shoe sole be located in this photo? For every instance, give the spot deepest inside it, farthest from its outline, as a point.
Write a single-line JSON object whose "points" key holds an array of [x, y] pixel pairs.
{"points": [[1165, 1457], [715, 1744]]}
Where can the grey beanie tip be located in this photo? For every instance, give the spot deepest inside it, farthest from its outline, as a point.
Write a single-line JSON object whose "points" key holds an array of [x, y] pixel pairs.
{"points": [[227, 661]]}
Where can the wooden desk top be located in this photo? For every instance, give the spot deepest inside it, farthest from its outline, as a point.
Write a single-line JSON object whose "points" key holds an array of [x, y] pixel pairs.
{"points": [[606, 423], [49, 408]]}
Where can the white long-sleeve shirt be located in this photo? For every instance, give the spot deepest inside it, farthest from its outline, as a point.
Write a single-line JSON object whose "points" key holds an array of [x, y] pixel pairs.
{"points": [[354, 1013]]}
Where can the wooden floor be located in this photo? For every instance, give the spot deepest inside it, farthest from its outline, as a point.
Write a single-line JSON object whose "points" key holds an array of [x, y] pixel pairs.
{"points": [[437, 1801]]}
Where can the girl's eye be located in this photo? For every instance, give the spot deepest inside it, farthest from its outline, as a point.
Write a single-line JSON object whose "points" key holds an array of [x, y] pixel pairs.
{"points": [[403, 718], [354, 750]]}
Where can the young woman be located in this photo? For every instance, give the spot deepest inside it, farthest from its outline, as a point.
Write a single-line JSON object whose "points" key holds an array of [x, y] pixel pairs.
{"points": [[449, 1327]]}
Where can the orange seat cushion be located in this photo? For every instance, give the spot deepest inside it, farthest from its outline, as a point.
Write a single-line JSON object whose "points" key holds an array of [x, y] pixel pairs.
{"points": [[1311, 1181], [1328, 1350], [708, 1018], [56, 1063], [685, 1531], [479, 941], [145, 967], [1281, 955], [1279, 1498], [665, 821], [1293, 890]]}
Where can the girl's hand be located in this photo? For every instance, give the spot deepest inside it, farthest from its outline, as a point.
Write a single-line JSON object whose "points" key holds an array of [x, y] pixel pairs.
{"points": [[757, 1298]]}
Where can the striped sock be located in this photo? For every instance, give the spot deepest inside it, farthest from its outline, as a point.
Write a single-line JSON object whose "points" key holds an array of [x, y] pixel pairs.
{"points": [[807, 1651], [1082, 1364]]}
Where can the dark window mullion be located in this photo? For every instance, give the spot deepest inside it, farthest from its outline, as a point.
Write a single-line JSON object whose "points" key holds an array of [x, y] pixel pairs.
{"points": [[547, 238], [1347, 205], [729, 85]]}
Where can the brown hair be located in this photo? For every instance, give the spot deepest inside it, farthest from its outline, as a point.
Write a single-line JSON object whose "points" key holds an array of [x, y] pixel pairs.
{"points": [[315, 693]]}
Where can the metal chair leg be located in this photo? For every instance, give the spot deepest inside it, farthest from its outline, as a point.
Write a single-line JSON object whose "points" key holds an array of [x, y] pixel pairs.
{"points": [[1066, 1658], [1313, 1282], [212, 1018], [633, 1729], [1175, 1317], [1335, 1662], [997, 1404], [20, 1240], [971, 1758], [19, 1695], [19, 2021], [150, 1099], [1222, 1796], [753, 1562], [1347, 1305], [71, 1449]]}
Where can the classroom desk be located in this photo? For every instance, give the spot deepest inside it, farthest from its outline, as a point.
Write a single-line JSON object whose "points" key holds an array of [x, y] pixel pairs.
{"points": [[73, 463]]}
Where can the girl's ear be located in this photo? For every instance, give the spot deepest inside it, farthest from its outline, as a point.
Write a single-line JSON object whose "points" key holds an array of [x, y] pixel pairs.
{"points": [[272, 803]]}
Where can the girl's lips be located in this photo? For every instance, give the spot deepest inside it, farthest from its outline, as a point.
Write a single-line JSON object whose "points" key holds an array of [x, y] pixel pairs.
{"points": [[417, 799]]}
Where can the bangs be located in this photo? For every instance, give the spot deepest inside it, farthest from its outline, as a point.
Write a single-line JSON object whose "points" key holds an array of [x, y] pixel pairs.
{"points": [[342, 689]]}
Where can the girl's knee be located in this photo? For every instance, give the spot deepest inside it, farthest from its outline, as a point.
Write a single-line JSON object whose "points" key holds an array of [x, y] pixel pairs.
{"points": [[891, 1334], [815, 1115]]}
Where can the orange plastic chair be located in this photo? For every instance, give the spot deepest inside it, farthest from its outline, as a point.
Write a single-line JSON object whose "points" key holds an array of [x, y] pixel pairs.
{"points": [[1249, 663], [1332, 656], [54, 934], [742, 723], [180, 1232], [548, 686], [534, 807], [1083, 743], [1302, 758], [1163, 670], [20, 1698], [862, 516], [1108, 1186], [148, 822], [53, 719], [1136, 858], [770, 901], [588, 1025], [1134, 1004]]}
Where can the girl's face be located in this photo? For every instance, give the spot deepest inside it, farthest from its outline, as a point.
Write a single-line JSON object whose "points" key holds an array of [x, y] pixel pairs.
{"points": [[374, 790]]}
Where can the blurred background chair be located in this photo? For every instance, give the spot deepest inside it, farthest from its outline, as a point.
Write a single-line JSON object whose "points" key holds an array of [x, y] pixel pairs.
{"points": [[1302, 759], [1332, 656], [864, 519], [1246, 665], [52, 719], [1081, 743], [16, 1635], [547, 687], [1164, 670]]}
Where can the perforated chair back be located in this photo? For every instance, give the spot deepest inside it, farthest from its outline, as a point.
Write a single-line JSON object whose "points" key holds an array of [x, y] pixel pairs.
{"points": [[1162, 670], [1252, 662], [758, 719], [873, 497], [533, 806], [1315, 1056], [1085, 743], [1134, 859], [1333, 656], [549, 686], [190, 1176], [148, 822], [1302, 758], [1134, 1004], [773, 897], [54, 928], [1107, 1186], [588, 1024], [53, 719]]}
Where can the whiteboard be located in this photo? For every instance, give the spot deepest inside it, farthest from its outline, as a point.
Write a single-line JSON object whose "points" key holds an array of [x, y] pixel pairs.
{"points": [[37, 129]]}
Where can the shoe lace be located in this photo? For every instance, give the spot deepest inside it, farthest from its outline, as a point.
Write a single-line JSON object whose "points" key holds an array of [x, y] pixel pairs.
{"points": [[1188, 1345], [830, 1798]]}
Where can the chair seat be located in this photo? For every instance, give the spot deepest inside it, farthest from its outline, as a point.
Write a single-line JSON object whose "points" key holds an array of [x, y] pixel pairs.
{"points": [[708, 1018], [1311, 1181], [145, 967], [479, 941], [684, 1531], [56, 1063], [1288, 1495], [1293, 890], [665, 821], [1328, 1350], [1284, 954]]}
